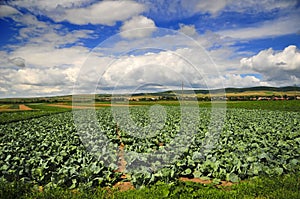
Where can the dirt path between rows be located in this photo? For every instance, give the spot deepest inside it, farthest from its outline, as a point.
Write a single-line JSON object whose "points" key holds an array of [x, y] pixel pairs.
{"points": [[122, 186], [198, 180], [122, 163], [23, 107]]}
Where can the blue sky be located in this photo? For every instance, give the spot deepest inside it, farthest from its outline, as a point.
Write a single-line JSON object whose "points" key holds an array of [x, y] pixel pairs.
{"points": [[57, 47]]}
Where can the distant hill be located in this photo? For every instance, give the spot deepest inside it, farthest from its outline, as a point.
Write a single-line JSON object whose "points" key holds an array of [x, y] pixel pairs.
{"points": [[227, 90], [250, 91], [263, 88]]}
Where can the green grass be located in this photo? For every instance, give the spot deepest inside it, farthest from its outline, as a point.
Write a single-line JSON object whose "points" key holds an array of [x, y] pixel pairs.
{"points": [[286, 186], [14, 106], [292, 105], [45, 107], [39, 110]]}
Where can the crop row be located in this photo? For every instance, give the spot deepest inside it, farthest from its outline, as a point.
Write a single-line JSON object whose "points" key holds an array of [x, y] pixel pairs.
{"points": [[82, 149]]}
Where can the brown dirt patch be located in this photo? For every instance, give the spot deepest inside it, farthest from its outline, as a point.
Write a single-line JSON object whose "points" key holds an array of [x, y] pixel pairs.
{"points": [[226, 184], [124, 186], [198, 180], [23, 107], [122, 163]]}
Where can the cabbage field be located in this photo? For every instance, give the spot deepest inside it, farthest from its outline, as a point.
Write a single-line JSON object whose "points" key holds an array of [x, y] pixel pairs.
{"points": [[49, 151]]}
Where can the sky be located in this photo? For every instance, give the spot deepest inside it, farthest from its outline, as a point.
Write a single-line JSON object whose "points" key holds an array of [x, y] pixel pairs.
{"points": [[61, 47]]}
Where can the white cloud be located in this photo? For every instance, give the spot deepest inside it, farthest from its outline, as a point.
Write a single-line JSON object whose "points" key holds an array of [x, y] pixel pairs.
{"points": [[215, 7], [179, 9], [143, 27], [34, 76], [57, 39], [212, 6], [6, 11], [36, 32], [104, 12], [276, 66], [256, 6], [189, 30], [36, 5], [128, 72], [47, 56], [167, 68], [278, 27], [239, 81], [83, 11], [50, 67], [45, 73], [51, 64]]}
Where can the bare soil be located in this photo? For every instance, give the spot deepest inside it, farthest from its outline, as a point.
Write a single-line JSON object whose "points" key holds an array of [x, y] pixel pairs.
{"points": [[122, 163], [124, 186], [198, 180], [23, 107]]}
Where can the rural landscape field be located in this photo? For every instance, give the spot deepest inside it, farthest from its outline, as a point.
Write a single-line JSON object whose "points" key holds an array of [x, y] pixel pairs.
{"points": [[149, 99], [42, 152]]}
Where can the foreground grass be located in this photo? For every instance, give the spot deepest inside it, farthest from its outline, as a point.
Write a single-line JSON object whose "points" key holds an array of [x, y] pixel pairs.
{"points": [[286, 186]]}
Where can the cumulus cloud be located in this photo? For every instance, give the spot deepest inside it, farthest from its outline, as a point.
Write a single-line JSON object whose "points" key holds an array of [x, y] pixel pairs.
{"points": [[38, 6], [239, 81], [276, 65], [47, 56], [104, 12], [31, 82], [167, 68], [82, 12], [143, 27]]}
